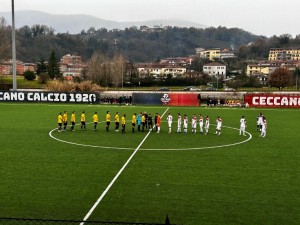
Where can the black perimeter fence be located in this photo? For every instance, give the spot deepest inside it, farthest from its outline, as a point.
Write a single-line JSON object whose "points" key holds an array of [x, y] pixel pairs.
{"points": [[18, 221]]}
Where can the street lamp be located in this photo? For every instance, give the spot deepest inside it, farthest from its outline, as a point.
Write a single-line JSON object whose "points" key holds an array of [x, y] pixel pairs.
{"points": [[13, 40]]}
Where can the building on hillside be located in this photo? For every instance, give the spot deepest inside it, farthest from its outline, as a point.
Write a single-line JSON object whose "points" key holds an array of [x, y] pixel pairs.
{"points": [[214, 53], [268, 67], [227, 54], [215, 69], [6, 67], [159, 70], [71, 59], [179, 61], [71, 66], [284, 54]]}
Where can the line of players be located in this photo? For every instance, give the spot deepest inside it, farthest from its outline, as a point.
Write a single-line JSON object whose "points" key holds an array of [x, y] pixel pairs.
{"points": [[144, 122]]}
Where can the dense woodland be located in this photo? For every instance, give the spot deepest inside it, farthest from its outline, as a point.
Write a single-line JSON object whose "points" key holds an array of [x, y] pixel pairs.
{"points": [[136, 44]]}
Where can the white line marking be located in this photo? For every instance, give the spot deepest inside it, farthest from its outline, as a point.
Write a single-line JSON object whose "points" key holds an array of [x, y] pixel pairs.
{"points": [[116, 177], [156, 149]]}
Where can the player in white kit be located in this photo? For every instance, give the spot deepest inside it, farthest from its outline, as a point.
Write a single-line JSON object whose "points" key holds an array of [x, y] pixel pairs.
{"points": [[179, 123], [194, 123], [201, 123], [264, 127], [243, 126], [206, 125], [219, 125], [170, 119], [185, 123]]}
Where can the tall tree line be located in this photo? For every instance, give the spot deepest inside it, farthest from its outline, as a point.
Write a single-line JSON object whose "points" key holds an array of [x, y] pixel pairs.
{"points": [[136, 44]]}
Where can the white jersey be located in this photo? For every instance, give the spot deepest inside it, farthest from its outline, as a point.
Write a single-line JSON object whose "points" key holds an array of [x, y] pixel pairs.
{"points": [[207, 122], [194, 122], [185, 122], [179, 121], [201, 121], [260, 120], [219, 123], [242, 122], [169, 119]]}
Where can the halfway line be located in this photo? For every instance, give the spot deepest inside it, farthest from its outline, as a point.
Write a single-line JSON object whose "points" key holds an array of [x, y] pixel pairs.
{"points": [[116, 177]]}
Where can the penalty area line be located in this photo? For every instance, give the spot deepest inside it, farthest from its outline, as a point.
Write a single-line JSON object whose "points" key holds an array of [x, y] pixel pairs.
{"points": [[116, 177]]}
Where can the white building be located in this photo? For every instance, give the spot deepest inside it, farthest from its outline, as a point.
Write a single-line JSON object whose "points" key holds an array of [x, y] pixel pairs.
{"points": [[215, 69]]}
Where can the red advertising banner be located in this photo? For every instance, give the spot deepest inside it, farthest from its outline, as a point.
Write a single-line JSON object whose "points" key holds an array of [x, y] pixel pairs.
{"points": [[180, 99], [272, 100]]}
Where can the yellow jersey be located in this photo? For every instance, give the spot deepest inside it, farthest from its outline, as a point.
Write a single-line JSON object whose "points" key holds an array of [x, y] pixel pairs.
{"points": [[65, 117], [133, 120], [117, 118], [123, 120], [95, 118], [82, 117], [107, 117], [59, 118], [143, 119], [73, 117]]}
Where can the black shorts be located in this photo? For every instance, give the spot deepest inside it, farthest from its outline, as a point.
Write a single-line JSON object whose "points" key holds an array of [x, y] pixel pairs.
{"points": [[133, 124], [65, 123], [107, 123], [82, 122], [59, 124], [73, 123]]}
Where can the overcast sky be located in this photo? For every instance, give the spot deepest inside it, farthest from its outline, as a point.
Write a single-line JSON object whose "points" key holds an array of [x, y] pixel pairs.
{"points": [[265, 17]]}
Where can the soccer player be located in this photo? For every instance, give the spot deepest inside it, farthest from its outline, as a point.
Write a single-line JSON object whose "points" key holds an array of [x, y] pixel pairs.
{"points": [[158, 122], [82, 120], [179, 123], [219, 125], [73, 119], [146, 120], [117, 122], [201, 123], [150, 121], [133, 121], [259, 121], [263, 127], [65, 120], [107, 118], [139, 121], [170, 120], [95, 119], [206, 125], [155, 122], [123, 123], [143, 122], [185, 123], [194, 124], [59, 121], [242, 126]]}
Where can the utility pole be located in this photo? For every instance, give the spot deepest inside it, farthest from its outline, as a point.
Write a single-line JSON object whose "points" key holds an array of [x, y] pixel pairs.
{"points": [[13, 37]]}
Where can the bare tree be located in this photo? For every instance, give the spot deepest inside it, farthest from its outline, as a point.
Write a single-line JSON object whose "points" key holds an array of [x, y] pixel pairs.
{"points": [[280, 78]]}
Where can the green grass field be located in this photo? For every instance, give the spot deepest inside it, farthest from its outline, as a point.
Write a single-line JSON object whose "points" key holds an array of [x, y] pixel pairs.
{"points": [[190, 177]]}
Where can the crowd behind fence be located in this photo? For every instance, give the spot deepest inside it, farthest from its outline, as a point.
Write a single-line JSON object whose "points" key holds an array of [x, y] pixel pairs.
{"points": [[21, 221]]}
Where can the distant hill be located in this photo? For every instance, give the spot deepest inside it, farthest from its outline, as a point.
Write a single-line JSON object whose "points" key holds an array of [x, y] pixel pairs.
{"points": [[75, 23]]}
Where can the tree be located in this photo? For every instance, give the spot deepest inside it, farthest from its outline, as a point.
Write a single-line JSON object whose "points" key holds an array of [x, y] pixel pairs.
{"points": [[280, 78], [53, 67], [29, 75], [41, 67]]}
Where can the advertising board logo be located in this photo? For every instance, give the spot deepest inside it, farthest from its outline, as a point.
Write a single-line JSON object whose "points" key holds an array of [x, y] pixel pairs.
{"points": [[165, 99]]}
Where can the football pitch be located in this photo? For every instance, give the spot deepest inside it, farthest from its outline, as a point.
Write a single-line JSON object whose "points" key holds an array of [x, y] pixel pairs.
{"points": [[143, 176]]}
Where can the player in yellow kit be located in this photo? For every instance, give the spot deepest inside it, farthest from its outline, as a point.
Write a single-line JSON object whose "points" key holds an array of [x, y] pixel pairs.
{"points": [[123, 123], [107, 118], [133, 121], [95, 119], [82, 120], [59, 121], [117, 121], [65, 120], [73, 119]]}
